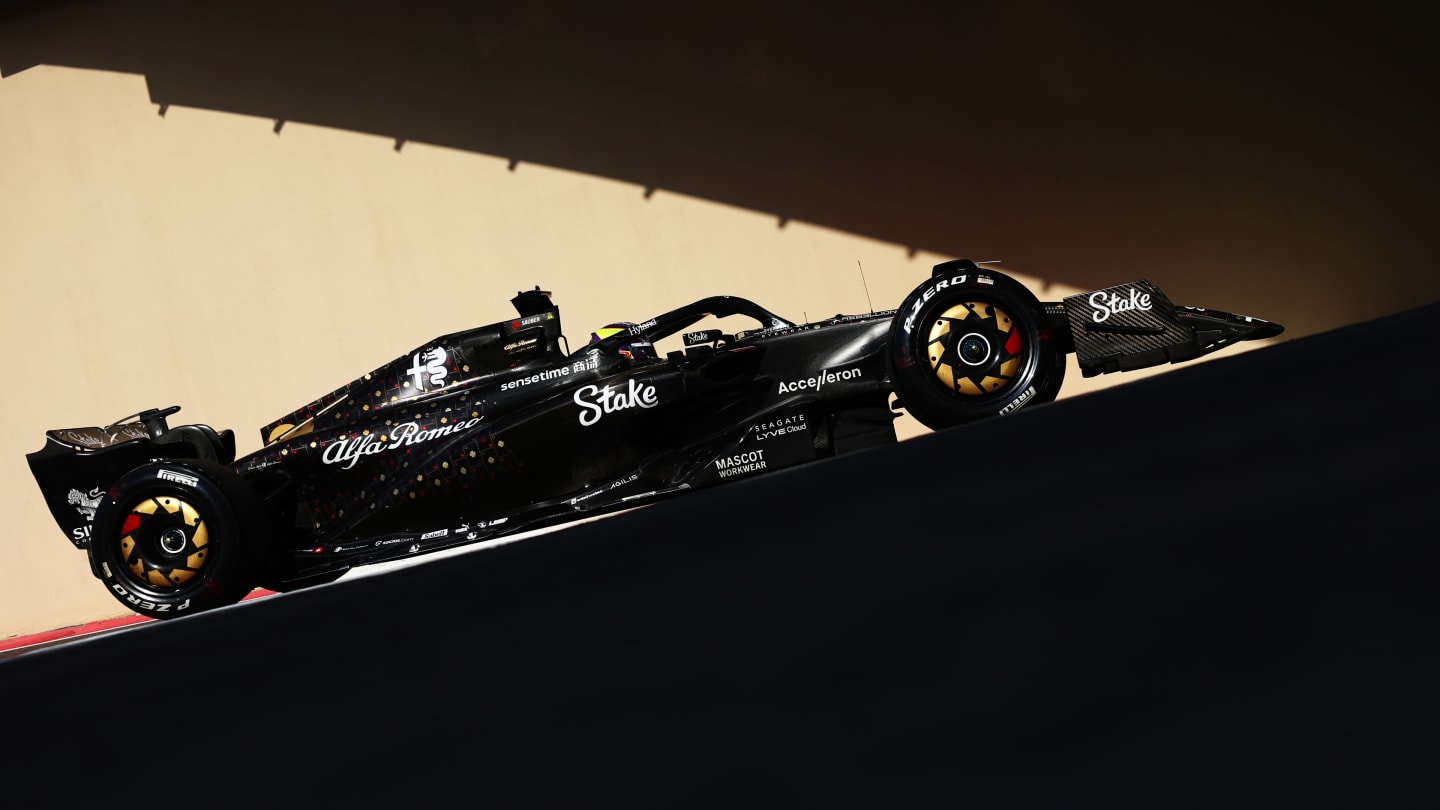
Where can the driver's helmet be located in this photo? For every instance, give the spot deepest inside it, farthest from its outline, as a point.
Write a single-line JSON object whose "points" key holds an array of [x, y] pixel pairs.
{"points": [[637, 349]]}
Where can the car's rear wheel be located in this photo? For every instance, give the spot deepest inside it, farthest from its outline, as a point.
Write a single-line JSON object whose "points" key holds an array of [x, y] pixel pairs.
{"points": [[971, 343], [177, 537]]}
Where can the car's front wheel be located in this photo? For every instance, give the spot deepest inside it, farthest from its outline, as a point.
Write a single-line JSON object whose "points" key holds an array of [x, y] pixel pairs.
{"points": [[177, 537], [971, 343]]}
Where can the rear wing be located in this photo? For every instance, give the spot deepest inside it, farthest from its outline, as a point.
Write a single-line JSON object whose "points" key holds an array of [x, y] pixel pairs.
{"points": [[76, 466]]}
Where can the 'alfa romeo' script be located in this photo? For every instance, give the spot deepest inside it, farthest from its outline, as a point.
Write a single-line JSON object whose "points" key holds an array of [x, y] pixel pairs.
{"points": [[596, 402], [1107, 304], [349, 451]]}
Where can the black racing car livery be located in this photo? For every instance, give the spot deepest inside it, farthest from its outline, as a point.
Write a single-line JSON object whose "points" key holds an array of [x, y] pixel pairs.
{"points": [[502, 428]]}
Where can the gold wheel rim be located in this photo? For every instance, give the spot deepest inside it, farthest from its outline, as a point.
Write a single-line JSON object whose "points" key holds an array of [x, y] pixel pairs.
{"points": [[975, 349], [164, 541]]}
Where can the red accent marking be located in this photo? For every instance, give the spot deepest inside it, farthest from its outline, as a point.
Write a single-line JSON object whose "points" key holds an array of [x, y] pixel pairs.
{"points": [[19, 642], [1012, 344], [132, 522]]}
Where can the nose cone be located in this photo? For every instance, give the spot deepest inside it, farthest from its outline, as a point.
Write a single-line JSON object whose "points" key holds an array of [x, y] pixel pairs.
{"points": [[1211, 323], [1264, 329]]}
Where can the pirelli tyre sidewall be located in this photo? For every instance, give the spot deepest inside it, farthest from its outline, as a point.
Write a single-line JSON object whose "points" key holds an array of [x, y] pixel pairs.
{"points": [[971, 344], [174, 538]]}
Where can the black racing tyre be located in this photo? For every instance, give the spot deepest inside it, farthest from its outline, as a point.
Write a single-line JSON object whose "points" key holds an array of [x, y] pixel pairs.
{"points": [[971, 343], [173, 538]]}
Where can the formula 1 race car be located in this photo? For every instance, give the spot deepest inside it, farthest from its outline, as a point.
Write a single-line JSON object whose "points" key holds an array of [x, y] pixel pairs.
{"points": [[499, 429]]}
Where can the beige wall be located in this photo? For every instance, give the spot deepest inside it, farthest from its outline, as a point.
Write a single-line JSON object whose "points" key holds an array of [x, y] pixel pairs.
{"points": [[165, 240], [200, 259]]}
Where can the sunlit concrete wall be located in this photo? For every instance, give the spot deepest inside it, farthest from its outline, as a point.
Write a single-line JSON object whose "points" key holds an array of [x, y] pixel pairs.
{"points": [[202, 259], [171, 233]]}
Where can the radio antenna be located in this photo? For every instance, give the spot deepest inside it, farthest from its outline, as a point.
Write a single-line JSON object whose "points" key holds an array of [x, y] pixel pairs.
{"points": [[868, 302]]}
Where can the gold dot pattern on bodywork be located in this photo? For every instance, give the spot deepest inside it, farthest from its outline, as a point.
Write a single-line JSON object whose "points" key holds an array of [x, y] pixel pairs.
{"points": [[365, 476]]}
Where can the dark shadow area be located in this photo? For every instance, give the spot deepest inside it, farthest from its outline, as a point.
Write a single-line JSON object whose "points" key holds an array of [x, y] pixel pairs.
{"points": [[1209, 586], [1234, 145]]}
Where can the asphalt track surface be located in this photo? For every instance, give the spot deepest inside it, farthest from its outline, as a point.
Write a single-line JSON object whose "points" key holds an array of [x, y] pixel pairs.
{"points": [[1207, 588]]}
